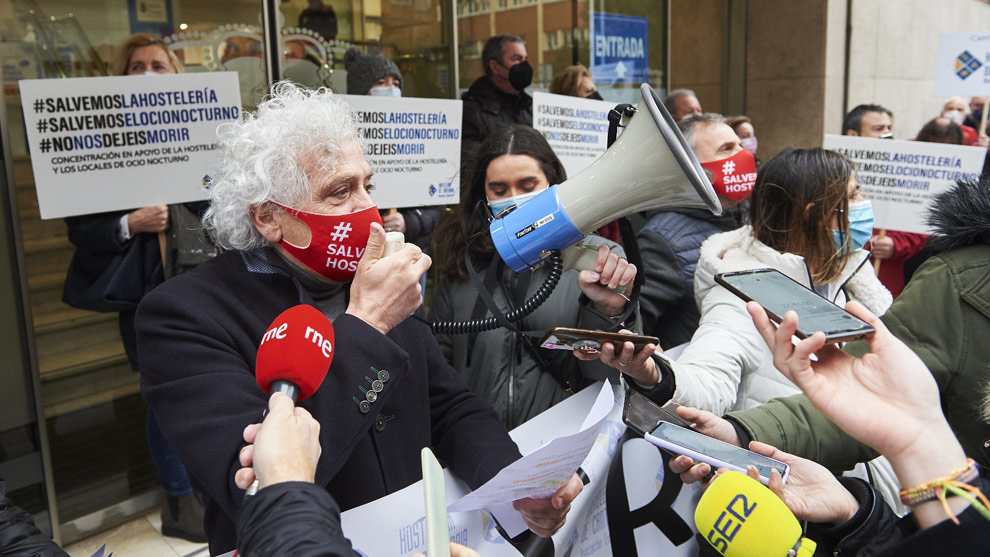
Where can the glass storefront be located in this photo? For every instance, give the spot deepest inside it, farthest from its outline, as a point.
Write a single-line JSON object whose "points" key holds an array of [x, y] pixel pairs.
{"points": [[91, 414]]}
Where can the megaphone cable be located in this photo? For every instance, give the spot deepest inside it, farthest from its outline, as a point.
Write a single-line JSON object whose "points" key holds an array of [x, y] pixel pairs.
{"points": [[506, 320]]}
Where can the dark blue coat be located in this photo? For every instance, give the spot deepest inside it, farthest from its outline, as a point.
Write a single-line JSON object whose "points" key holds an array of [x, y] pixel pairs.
{"points": [[198, 336]]}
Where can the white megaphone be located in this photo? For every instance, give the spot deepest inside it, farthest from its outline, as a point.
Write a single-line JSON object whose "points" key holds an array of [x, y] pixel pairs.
{"points": [[637, 173]]}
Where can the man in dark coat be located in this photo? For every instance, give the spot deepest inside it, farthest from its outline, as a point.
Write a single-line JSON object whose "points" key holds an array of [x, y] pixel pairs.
{"points": [[498, 97], [291, 202]]}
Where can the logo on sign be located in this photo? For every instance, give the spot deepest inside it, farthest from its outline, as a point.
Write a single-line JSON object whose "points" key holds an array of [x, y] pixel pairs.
{"points": [[445, 189], [966, 64], [433, 190]]}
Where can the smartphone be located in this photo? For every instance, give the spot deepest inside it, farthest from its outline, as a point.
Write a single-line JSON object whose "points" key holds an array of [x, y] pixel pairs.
{"points": [[718, 454], [566, 338], [778, 293], [643, 415]]}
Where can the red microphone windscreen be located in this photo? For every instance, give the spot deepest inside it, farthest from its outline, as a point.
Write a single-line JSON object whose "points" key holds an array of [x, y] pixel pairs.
{"points": [[297, 347]]}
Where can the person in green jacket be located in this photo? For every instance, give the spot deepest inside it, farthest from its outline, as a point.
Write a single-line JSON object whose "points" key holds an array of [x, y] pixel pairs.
{"points": [[943, 315]]}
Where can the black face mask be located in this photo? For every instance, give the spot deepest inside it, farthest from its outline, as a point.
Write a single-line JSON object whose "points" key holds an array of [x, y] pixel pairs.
{"points": [[521, 75], [596, 96]]}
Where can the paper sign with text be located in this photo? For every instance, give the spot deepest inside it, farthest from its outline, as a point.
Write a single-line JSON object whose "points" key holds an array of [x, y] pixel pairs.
{"points": [[629, 507], [963, 64], [109, 143], [901, 177], [576, 128], [413, 147]]}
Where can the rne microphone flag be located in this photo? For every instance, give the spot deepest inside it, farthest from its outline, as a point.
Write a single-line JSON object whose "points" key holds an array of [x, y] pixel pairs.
{"points": [[740, 517], [297, 348]]}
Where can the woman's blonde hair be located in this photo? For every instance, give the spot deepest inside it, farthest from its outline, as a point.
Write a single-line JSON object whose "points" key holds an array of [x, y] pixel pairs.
{"points": [[122, 58], [568, 81]]}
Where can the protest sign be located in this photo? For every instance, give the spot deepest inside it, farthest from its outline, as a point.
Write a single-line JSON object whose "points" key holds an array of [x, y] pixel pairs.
{"points": [[628, 508], [901, 177], [413, 147], [963, 64], [109, 143], [576, 128]]}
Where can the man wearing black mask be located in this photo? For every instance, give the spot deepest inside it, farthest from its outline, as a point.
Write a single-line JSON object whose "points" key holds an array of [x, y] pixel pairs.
{"points": [[498, 97]]}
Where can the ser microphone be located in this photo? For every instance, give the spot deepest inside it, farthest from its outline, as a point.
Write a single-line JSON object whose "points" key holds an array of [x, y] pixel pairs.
{"points": [[740, 517], [294, 356], [295, 353]]}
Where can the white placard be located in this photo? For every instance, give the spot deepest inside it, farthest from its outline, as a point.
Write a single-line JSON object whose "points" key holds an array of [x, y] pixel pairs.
{"points": [[109, 143], [413, 147], [963, 64], [901, 177], [394, 525], [576, 128]]}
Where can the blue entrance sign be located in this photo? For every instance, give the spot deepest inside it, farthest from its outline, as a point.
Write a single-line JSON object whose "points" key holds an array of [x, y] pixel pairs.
{"points": [[618, 48]]}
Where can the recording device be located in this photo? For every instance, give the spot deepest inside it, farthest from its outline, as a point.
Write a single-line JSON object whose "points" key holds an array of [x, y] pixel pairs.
{"points": [[567, 338], [778, 293], [435, 504], [718, 454], [643, 415], [295, 353], [394, 241], [741, 518], [637, 173], [294, 356]]}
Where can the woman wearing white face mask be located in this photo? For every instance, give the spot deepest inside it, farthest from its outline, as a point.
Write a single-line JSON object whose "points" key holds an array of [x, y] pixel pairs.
{"points": [[518, 378], [369, 74]]}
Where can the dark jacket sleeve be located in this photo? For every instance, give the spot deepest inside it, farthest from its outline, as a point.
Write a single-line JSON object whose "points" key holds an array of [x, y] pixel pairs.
{"points": [[794, 425], [472, 127], [18, 534], [420, 222], [873, 526], [664, 284], [292, 518], [96, 233]]}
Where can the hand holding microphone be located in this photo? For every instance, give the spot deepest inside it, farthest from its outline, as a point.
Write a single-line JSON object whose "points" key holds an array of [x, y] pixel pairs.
{"points": [[293, 359], [741, 518], [283, 448]]}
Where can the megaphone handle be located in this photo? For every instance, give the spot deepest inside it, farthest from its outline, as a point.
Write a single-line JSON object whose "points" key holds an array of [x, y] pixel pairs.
{"points": [[582, 256]]}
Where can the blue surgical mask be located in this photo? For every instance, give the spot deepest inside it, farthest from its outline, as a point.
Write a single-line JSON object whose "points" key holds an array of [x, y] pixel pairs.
{"points": [[388, 91], [860, 226], [503, 203]]}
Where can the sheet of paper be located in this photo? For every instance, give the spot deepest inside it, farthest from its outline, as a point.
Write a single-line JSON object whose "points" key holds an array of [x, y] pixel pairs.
{"points": [[542, 472]]}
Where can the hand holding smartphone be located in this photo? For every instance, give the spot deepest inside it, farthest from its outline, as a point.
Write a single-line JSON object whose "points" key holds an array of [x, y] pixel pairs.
{"points": [[718, 454], [778, 294], [566, 338]]}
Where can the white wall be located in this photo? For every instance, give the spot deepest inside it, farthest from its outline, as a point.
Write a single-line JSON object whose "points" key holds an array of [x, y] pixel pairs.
{"points": [[892, 59]]}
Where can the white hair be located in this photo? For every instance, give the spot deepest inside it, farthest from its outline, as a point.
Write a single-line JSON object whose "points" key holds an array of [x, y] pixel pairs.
{"points": [[266, 155]]}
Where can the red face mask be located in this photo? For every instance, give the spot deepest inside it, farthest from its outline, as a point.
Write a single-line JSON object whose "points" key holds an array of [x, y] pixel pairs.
{"points": [[337, 241], [733, 177]]}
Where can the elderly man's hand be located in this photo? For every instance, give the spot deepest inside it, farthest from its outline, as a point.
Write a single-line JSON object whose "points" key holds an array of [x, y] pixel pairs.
{"points": [[386, 290], [148, 219], [545, 516]]}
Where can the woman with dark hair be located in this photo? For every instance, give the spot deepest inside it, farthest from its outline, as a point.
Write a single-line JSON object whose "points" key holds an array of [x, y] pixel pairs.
{"points": [[809, 222], [517, 377], [941, 130]]}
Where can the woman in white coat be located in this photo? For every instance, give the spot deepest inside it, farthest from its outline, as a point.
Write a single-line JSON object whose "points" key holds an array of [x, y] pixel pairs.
{"points": [[809, 222]]}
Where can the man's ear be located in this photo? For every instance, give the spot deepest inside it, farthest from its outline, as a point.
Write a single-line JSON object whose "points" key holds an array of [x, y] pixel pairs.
{"points": [[264, 219], [852, 132]]}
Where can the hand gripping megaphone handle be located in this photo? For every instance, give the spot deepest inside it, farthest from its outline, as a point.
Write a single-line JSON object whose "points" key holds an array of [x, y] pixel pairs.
{"points": [[583, 256]]}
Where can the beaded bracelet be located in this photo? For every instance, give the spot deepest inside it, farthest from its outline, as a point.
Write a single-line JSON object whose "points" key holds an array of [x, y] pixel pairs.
{"points": [[956, 483]]}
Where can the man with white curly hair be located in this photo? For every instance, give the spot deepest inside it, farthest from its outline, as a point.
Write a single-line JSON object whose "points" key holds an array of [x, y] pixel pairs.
{"points": [[291, 202]]}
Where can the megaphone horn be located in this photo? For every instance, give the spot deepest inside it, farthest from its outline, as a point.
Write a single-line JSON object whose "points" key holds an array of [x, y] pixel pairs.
{"points": [[637, 173]]}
